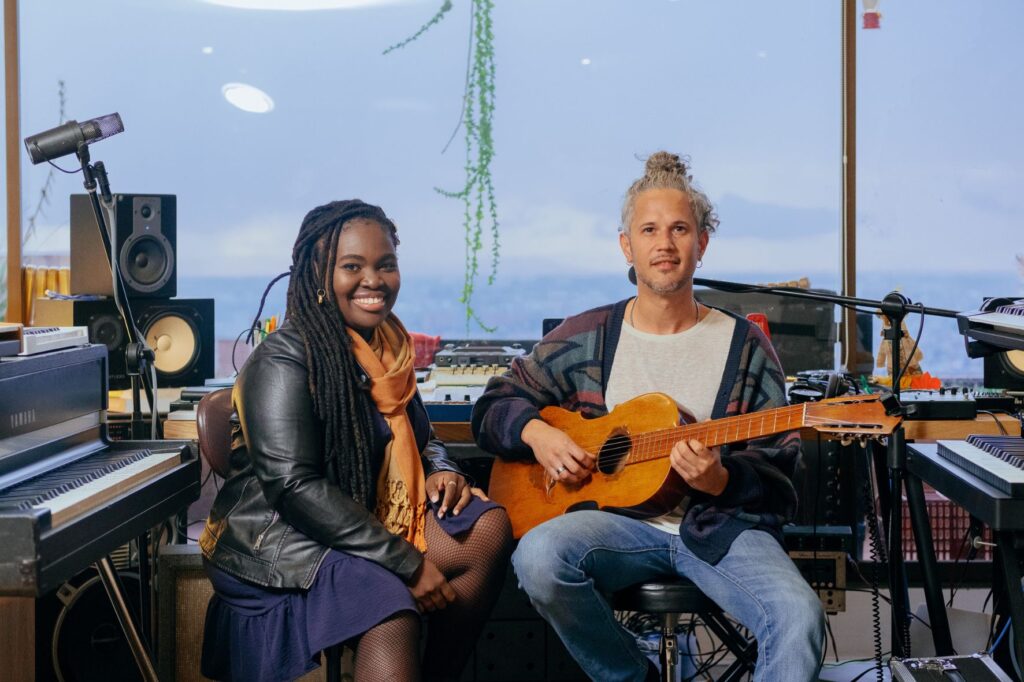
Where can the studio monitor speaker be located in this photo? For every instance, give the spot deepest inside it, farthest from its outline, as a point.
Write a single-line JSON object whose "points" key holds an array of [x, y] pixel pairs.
{"points": [[180, 331], [1005, 370], [146, 229]]}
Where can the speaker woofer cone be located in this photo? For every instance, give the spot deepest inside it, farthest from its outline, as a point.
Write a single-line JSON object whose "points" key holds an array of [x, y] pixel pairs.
{"points": [[108, 330], [175, 341], [146, 262]]}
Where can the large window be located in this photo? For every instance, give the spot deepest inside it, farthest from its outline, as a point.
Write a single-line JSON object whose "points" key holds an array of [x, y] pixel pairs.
{"points": [[748, 90], [941, 163]]}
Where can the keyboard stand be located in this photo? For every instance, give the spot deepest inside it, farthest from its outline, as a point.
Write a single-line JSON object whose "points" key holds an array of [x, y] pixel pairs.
{"points": [[116, 594], [1002, 513]]}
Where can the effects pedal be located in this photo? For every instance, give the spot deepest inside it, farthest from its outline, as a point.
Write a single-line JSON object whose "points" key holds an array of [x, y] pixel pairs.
{"points": [[973, 668]]}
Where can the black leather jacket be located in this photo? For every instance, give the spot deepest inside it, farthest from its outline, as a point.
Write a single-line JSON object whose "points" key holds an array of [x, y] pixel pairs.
{"points": [[276, 516]]}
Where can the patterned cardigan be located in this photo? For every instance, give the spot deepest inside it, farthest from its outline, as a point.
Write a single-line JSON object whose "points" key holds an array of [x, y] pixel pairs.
{"points": [[570, 368]]}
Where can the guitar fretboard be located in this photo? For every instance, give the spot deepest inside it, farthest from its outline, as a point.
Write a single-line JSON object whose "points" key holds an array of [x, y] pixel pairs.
{"points": [[658, 444]]}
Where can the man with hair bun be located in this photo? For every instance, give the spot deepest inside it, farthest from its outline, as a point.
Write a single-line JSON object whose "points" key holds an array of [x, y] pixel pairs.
{"points": [[726, 535]]}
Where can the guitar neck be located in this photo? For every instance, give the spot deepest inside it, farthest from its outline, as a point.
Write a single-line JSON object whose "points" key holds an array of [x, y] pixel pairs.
{"points": [[657, 444]]}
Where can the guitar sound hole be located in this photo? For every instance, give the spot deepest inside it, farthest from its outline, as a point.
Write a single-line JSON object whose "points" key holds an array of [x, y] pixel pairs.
{"points": [[613, 454]]}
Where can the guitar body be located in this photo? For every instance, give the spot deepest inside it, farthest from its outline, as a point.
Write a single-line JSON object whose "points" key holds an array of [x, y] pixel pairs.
{"points": [[633, 442], [642, 489]]}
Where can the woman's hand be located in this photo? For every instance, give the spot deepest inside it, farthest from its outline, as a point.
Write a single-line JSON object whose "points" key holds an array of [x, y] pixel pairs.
{"points": [[429, 587], [557, 453], [453, 490], [699, 466]]}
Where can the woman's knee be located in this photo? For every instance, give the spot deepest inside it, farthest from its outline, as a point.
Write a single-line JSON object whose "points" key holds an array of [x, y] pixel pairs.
{"points": [[495, 525]]}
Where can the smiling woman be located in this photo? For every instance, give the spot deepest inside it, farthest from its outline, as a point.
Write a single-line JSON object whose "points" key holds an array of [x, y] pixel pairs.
{"points": [[343, 515], [366, 279]]}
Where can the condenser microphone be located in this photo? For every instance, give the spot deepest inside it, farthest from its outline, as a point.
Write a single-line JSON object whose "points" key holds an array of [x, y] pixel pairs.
{"points": [[65, 138]]}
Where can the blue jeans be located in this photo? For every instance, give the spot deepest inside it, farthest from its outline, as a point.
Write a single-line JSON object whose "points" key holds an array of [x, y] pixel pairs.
{"points": [[569, 563]]}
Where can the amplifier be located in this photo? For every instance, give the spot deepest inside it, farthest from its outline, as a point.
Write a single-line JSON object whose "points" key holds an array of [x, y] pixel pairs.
{"points": [[803, 332], [818, 538], [825, 572]]}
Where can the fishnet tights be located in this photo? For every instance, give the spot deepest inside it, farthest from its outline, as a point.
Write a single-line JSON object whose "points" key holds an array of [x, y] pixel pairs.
{"points": [[389, 651], [474, 564]]}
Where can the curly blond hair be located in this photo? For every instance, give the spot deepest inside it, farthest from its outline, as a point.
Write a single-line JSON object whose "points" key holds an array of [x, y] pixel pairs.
{"points": [[665, 170]]}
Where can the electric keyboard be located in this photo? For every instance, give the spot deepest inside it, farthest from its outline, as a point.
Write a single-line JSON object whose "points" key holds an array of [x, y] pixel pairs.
{"points": [[68, 495], [996, 460]]}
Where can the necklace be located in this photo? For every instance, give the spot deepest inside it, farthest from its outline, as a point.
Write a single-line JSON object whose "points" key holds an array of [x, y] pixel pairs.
{"points": [[696, 312]]}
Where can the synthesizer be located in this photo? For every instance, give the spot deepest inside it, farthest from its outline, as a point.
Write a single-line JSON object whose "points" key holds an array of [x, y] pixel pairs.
{"points": [[996, 460]]}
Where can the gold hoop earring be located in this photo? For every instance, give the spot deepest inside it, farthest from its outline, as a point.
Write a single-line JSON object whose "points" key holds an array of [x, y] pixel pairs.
{"points": [[320, 293]]}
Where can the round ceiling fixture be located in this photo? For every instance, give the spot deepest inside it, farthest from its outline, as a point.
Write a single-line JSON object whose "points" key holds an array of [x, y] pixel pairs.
{"points": [[247, 98]]}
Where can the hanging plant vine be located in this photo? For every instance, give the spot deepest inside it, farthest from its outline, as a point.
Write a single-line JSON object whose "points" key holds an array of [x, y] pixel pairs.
{"points": [[480, 209]]}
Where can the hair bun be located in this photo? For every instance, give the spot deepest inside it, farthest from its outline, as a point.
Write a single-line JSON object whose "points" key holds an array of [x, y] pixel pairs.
{"points": [[665, 162]]}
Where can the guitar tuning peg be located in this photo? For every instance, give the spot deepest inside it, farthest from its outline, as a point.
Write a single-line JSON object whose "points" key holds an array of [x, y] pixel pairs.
{"points": [[863, 440], [846, 440]]}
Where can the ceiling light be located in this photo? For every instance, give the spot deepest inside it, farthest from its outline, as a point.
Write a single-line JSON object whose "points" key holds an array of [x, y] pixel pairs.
{"points": [[248, 98]]}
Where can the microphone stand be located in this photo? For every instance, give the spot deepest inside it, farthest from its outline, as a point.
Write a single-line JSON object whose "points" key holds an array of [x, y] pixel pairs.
{"points": [[138, 360], [138, 356], [894, 307]]}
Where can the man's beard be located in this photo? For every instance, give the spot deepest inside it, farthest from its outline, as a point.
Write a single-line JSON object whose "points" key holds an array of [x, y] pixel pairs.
{"points": [[670, 288]]}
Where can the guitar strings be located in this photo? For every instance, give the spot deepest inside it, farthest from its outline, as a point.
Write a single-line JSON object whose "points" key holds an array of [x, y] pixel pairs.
{"points": [[665, 438], [719, 425]]}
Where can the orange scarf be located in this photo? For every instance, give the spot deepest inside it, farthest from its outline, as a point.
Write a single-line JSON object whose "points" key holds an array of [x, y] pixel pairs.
{"points": [[401, 488]]}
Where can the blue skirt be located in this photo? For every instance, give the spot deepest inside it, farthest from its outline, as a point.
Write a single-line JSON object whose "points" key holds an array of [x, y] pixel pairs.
{"points": [[258, 633]]}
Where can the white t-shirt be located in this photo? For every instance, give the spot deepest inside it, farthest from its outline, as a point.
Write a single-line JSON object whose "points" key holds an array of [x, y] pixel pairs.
{"points": [[687, 367]]}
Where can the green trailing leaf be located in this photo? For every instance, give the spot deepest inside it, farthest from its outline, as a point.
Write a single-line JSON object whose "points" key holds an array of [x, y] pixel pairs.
{"points": [[447, 5], [480, 210]]}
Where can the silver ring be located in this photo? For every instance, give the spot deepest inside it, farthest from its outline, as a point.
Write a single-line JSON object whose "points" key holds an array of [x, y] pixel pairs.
{"points": [[450, 483], [559, 470]]}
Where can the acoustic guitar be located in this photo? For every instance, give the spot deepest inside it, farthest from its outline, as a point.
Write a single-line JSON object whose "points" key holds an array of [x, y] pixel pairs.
{"points": [[632, 445]]}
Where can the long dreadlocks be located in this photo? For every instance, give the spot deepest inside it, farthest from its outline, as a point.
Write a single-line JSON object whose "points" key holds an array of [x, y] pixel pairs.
{"points": [[339, 387]]}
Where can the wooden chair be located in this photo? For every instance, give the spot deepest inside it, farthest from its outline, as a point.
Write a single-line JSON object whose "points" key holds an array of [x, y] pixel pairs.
{"points": [[213, 422]]}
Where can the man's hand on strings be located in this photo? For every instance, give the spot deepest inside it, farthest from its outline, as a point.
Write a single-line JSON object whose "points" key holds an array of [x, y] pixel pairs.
{"points": [[564, 461]]}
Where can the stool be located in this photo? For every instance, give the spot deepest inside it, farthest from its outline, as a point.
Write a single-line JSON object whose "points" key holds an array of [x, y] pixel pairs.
{"points": [[672, 596]]}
